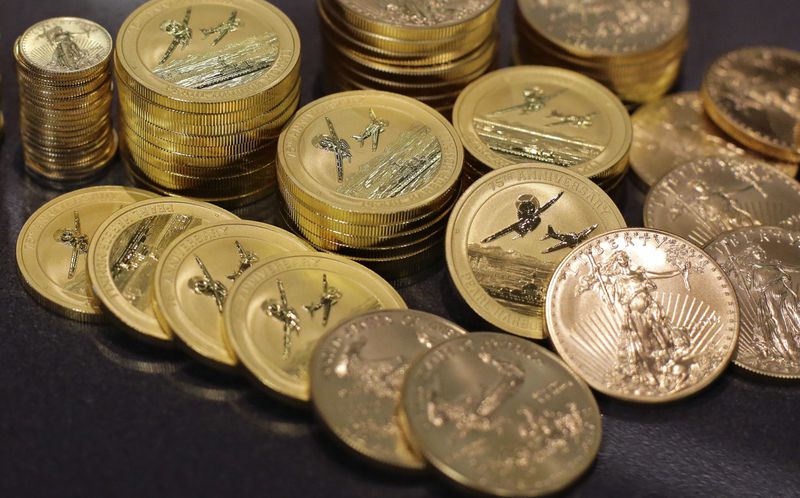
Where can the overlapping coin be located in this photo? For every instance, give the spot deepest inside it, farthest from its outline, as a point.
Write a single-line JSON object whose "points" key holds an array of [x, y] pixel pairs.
{"points": [[643, 315], [510, 230]]}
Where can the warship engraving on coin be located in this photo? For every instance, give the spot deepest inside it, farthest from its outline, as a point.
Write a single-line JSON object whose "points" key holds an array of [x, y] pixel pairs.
{"points": [[357, 372], [501, 415], [643, 315], [704, 198], [763, 263], [752, 94]]}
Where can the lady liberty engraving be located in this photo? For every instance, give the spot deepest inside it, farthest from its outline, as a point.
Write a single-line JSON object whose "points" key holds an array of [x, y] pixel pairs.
{"points": [[66, 53], [651, 350]]}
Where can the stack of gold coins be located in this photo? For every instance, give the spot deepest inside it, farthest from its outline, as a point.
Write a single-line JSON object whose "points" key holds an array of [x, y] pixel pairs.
{"points": [[372, 176], [65, 93], [429, 52], [545, 115], [205, 89], [634, 47]]}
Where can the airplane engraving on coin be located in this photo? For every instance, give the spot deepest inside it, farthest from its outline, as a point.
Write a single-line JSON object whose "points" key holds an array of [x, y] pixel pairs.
{"points": [[338, 146], [330, 296], [529, 214], [280, 310], [373, 130], [207, 286], [535, 100], [566, 239], [576, 120], [222, 29], [180, 32], [77, 240], [246, 260]]}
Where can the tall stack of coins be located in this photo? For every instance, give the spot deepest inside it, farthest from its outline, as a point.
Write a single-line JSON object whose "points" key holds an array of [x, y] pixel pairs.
{"points": [[65, 92], [429, 52], [205, 89], [543, 115], [372, 176], [633, 47]]}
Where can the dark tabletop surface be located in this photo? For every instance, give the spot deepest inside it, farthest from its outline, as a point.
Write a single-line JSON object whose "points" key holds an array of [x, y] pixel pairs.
{"points": [[88, 411]]}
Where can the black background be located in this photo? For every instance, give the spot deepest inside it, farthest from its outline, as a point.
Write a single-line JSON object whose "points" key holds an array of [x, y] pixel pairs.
{"points": [[88, 411]]}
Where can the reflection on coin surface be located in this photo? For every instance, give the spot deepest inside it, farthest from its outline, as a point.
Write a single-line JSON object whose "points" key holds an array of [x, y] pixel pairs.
{"points": [[65, 45], [545, 115], [427, 13], [357, 372], [53, 243], [500, 415], [752, 94], [675, 130], [277, 311], [704, 198], [197, 270], [763, 263], [125, 251], [643, 315], [510, 230]]}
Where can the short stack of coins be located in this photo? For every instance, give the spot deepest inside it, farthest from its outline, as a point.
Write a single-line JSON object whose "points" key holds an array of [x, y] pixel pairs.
{"points": [[427, 52], [372, 176], [635, 48], [65, 92], [205, 89]]}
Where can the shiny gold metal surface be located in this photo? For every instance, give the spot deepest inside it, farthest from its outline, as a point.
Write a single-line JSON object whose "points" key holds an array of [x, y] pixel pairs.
{"points": [[277, 311], [509, 231], [643, 315], [702, 199], [356, 374], [500, 415]]}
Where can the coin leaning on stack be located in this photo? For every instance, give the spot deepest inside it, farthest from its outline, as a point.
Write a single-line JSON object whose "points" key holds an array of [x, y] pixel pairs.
{"points": [[64, 75], [372, 176], [633, 47], [430, 53], [205, 90]]}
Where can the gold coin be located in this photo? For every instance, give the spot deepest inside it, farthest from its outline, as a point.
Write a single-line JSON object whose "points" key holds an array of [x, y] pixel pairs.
{"points": [[125, 251], [277, 311], [751, 94], [545, 115], [643, 315], [212, 57], [65, 46], [763, 264], [52, 247], [508, 232], [702, 199], [675, 130], [194, 274], [378, 155], [364, 361], [500, 415]]}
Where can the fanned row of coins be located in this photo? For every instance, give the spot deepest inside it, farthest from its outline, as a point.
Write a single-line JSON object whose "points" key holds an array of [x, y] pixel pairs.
{"points": [[429, 51], [543, 115], [371, 175], [65, 93], [205, 89], [634, 47]]}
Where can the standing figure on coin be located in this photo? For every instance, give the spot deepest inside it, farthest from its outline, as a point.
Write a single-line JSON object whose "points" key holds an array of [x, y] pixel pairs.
{"points": [[66, 53], [650, 348], [717, 206], [180, 32]]}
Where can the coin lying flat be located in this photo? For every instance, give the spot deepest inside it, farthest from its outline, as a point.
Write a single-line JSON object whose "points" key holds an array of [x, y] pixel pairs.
{"points": [[751, 93], [196, 270], [52, 247], [643, 315], [357, 371], [675, 130], [702, 199], [500, 415], [545, 115], [763, 263], [510, 230], [277, 311], [125, 251]]}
